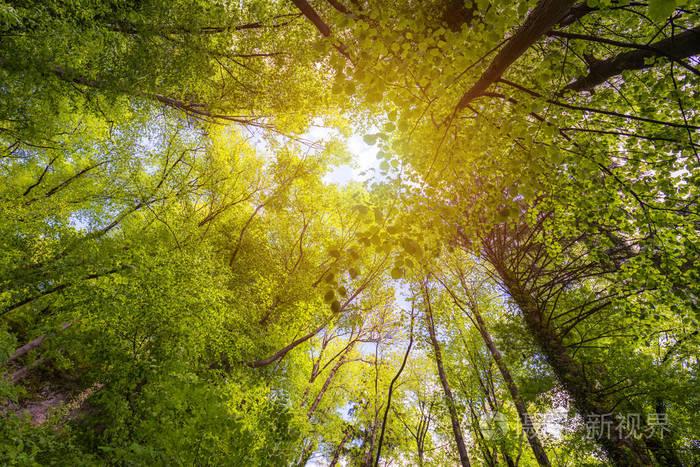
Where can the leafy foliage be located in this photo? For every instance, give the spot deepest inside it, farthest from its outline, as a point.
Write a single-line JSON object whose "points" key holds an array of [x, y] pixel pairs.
{"points": [[183, 282]]}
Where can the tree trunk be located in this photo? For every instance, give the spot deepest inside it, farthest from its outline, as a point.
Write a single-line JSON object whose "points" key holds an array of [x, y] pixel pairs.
{"points": [[622, 448], [449, 399], [329, 379], [339, 448], [546, 14], [31, 345], [525, 419], [525, 271], [368, 457], [391, 392]]}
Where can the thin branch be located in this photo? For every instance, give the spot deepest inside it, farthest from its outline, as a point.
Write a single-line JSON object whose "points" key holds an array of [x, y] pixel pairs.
{"points": [[391, 390]]}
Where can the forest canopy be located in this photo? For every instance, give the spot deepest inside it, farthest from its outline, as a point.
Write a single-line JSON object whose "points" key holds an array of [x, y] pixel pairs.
{"points": [[350, 232]]}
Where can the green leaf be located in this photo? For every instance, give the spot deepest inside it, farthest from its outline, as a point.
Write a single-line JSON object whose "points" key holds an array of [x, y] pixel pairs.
{"points": [[412, 246], [361, 209], [397, 273], [370, 139], [661, 9], [335, 306]]}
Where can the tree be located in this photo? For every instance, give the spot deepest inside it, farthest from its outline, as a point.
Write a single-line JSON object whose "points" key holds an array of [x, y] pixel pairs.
{"points": [[183, 282]]}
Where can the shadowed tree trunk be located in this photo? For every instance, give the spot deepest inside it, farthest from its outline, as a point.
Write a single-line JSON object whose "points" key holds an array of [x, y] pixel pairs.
{"points": [[391, 392], [622, 448], [546, 14]]}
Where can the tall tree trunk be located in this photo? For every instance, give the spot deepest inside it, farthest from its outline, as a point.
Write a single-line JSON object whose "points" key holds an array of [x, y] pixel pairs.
{"points": [[662, 447], [391, 391], [521, 262], [506, 456], [479, 437], [622, 448], [546, 14], [421, 432], [518, 401], [368, 457], [421, 455], [449, 399]]}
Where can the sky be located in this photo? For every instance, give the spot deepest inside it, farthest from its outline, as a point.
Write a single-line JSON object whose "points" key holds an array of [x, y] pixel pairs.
{"points": [[364, 158]]}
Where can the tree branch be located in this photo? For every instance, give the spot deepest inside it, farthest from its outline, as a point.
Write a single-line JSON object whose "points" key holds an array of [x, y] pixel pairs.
{"points": [[581, 108], [683, 45], [546, 14], [325, 30], [285, 350]]}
